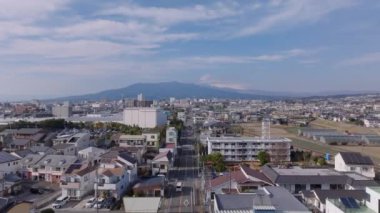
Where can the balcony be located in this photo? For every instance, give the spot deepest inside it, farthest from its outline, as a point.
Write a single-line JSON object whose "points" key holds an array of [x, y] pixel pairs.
{"points": [[107, 186], [70, 185]]}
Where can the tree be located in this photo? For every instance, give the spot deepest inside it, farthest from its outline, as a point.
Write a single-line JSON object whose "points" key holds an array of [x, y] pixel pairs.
{"points": [[321, 161], [217, 161], [306, 156], [263, 157]]}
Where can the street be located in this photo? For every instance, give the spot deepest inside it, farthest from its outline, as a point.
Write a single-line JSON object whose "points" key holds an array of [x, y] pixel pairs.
{"points": [[185, 171]]}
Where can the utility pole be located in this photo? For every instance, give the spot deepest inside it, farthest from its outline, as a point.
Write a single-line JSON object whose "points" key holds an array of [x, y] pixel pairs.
{"points": [[96, 190]]}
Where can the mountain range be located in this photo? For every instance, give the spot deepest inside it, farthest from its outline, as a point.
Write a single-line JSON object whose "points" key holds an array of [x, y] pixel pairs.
{"points": [[165, 90]]}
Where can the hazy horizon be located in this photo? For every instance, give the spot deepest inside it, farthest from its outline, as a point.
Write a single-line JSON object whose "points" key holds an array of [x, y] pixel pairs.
{"points": [[55, 48]]}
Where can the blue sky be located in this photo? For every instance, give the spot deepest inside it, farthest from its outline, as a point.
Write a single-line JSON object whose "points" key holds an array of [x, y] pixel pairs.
{"points": [[51, 48]]}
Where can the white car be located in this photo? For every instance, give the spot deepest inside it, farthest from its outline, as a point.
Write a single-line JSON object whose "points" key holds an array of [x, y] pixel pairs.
{"points": [[60, 202], [90, 203]]}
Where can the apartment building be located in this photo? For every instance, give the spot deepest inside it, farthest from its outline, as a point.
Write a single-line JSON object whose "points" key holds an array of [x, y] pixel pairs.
{"points": [[145, 140], [144, 117], [236, 149]]}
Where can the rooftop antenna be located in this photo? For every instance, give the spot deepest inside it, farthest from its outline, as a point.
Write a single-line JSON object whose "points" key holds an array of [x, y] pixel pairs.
{"points": [[265, 128]]}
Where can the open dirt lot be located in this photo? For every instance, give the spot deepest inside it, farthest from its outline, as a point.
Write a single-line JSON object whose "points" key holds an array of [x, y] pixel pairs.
{"points": [[342, 127], [254, 129]]}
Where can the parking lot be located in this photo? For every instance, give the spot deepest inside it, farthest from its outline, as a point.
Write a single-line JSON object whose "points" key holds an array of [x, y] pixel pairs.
{"points": [[43, 196]]}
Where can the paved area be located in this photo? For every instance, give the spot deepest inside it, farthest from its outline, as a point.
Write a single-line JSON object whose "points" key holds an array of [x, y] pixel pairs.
{"points": [[188, 200]]}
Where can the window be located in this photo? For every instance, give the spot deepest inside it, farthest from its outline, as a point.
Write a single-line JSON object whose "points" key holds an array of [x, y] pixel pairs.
{"points": [[315, 186]]}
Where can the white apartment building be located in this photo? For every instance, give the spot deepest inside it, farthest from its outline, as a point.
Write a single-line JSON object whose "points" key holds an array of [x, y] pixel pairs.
{"points": [[144, 117], [152, 139], [237, 149], [62, 111]]}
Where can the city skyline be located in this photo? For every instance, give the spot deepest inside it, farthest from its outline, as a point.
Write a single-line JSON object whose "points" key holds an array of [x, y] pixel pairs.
{"points": [[53, 48]]}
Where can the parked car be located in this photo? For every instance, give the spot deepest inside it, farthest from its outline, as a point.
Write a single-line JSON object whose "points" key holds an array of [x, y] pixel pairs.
{"points": [[36, 190], [99, 203], [60, 202], [109, 202], [90, 203]]}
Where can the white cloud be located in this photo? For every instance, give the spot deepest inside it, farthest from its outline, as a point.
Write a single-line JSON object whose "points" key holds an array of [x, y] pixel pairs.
{"points": [[30, 10], [283, 55], [209, 80], [71, 49], [370, 58], [288, 13], [9, 29], [168, 16]]}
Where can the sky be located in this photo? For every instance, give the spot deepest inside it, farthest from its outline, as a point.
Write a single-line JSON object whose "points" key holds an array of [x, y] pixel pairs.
{"points": [[54, 48]]}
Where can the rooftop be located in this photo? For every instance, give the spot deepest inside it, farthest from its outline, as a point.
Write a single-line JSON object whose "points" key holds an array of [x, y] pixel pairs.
{"points": [[247, 139]]}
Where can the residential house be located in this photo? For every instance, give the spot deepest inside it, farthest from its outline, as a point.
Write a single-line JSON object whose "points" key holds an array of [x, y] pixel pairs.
{"points": [[150, 187], [316, 199], [162, 162], [27, 164], [354, 162], [171, 135], [42, 150], [118, 170], [91, 154], [79, 141], [242, 180], [51, 167], [65, 149], [297, 179], [370, 204], [78, 181], [112, 182], [267, 199], [9, 164], [132, 141], [152, 139]]}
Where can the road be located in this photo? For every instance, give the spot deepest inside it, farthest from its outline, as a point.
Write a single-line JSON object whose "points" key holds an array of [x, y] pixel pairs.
{"points": [[186, 171]]}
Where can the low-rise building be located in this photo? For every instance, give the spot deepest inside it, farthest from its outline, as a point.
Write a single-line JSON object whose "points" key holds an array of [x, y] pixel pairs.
{"points": [[354, 162], [370, 204], [268, 199], [162, 163], [51, 167], [171, 135], [9, 164], [78, 181], [236, 149], [91, 154], [242, 180], [316, 199], [150, 187]]}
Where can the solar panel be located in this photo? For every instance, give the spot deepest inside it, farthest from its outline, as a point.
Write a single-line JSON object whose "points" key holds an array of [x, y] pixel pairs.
{"points": [[345, 202], [353, 203]]}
